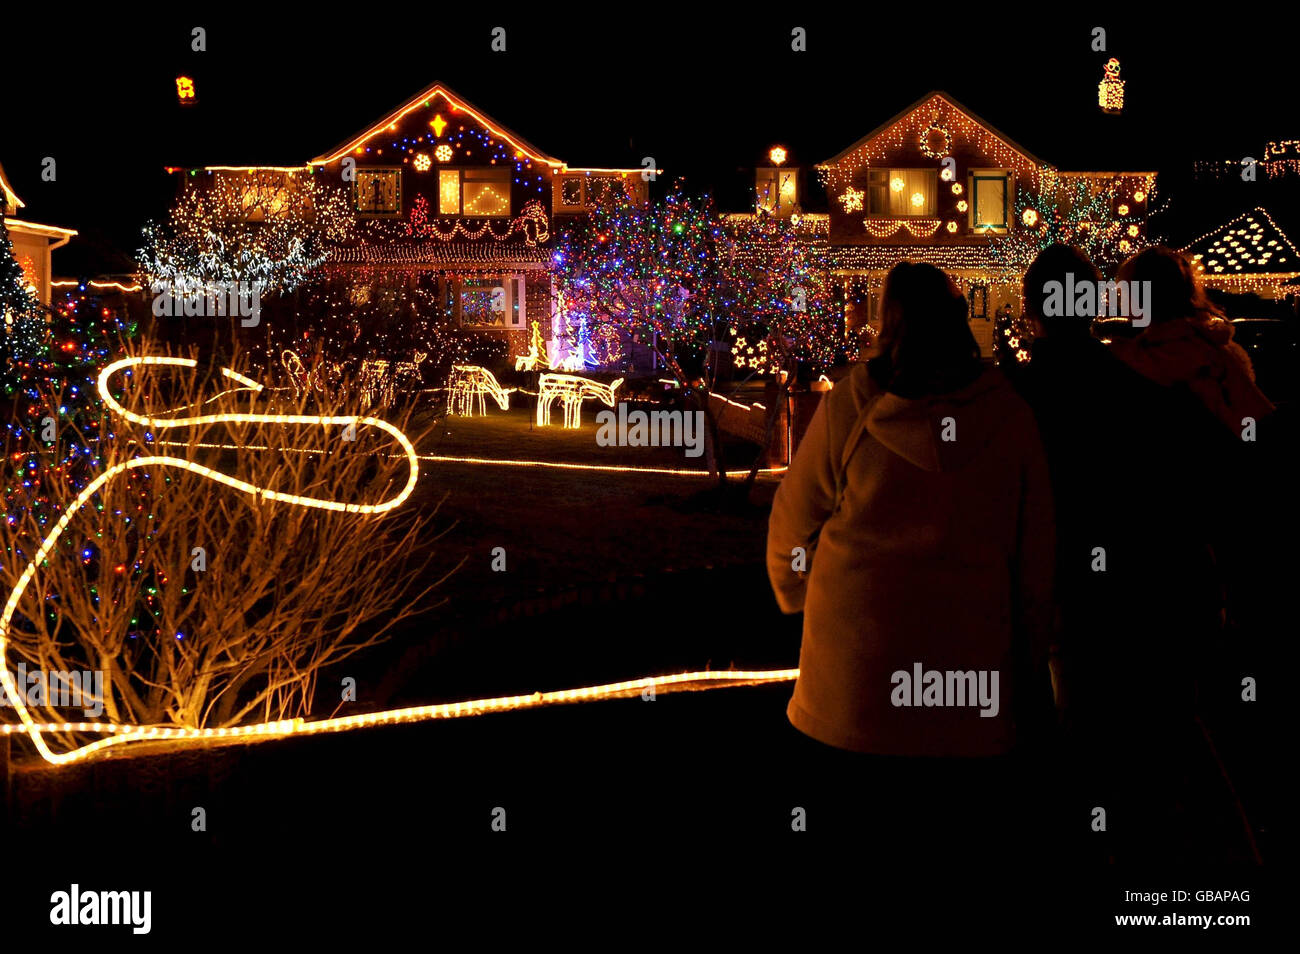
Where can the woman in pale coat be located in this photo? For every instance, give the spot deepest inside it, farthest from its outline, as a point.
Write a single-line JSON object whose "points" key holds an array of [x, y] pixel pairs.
{"points": [[914, 530]]}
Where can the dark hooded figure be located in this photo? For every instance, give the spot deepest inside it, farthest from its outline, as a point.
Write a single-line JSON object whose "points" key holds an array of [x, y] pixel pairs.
{"points": [[1132, 464], [914, 530]]}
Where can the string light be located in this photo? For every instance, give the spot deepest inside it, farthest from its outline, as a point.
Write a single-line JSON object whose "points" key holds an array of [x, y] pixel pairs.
{"points": [[259, 493], [571, 391], [264, 731], [468, 384]]}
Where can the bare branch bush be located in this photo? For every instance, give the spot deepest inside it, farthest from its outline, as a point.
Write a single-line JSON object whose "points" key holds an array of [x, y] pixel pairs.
{"points": [[241, 631]]}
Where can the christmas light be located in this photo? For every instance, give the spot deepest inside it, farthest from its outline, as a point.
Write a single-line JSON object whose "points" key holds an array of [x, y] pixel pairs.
{"points": [[571, 391], [156, 424], [265, 731], [468, 384]]}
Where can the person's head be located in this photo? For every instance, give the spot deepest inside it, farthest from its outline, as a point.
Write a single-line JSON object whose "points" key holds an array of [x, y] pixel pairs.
{"points": [[926, 345], [1174, 291], [1056, 268]]}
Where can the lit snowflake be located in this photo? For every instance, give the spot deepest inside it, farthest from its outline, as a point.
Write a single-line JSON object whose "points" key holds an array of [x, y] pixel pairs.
{"points": [[852, 199]]}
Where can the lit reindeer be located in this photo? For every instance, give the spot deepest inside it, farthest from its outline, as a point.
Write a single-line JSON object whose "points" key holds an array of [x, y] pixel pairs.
{"points": [[572, 390], [469, 382], [379, 378]]}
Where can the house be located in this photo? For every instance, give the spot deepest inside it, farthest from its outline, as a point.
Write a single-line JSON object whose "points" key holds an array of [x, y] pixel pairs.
{"points": [[453, 205], [1250, 254], [33, 243], [938, 184]]}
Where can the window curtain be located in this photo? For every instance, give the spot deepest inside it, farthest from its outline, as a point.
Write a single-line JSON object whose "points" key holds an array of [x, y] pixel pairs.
{"points": [[914, 181]]}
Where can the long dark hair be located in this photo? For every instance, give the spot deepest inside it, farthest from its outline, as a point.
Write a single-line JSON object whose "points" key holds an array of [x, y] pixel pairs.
{"points": [[1176, 292], [926, 345]]}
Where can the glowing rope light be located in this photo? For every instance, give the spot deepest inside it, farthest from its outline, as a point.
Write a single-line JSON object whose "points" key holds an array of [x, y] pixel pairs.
{"points": [[118, 734], [166, 423]]}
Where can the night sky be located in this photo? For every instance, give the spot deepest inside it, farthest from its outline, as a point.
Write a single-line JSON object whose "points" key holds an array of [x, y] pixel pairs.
{"points": [[705, 98]]}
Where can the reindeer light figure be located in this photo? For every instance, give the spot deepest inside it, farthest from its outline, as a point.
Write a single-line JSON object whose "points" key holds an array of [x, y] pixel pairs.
{"points": [[379, 378], [469, 382], [572, 390]]}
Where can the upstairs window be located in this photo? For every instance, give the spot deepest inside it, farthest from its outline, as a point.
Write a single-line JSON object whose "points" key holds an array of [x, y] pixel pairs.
{"points": [[474, 193], [990, 200], [777, 189], [901, 193], [585, 192], [378, 192]]}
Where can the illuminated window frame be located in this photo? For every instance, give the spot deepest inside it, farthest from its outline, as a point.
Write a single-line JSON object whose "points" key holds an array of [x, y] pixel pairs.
{"points": [[356, 187], [973, 179], [498, 174], [587, 201], [928, 211], [516, 289], [777, 176]]}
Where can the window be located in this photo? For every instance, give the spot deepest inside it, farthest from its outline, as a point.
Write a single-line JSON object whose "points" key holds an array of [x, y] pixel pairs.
{"points": [[378, 191], [571, 191], [474, 193], [492, 302], [777, 190], [979, 302], [584, 192], [899, 193], [990, 199]]}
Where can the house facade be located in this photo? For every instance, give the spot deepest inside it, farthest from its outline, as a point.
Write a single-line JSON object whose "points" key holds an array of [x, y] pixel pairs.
{"points": [[938, 184], [457, 214], [33, 243]]}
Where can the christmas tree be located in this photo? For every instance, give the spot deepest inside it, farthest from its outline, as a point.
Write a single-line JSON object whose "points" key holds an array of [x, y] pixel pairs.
{"points": [[56, 417], [24, 320]]}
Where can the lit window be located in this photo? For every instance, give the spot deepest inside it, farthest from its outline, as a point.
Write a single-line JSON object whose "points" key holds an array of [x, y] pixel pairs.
{"points": [[492, 302], [571, 191], [378, 191], [777, 189], [449, 191], [901, 192], [990, 191], [474, 193]]}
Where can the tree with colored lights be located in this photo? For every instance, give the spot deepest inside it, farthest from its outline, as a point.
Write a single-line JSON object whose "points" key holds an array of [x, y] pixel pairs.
{"points": [[658, 274], [23, 331], [790, 329], [56, 418], [1100, 217], [205, 606], [265, 227]]}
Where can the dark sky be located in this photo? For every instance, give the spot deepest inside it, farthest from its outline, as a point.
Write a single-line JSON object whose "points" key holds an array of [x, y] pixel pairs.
{"points": [[705, 97]]}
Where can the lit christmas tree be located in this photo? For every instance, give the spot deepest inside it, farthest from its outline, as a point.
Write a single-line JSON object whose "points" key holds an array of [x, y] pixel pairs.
{"points": [[1103, 218], [24, 319], [656, 273], [789, 312], [56, 418]]}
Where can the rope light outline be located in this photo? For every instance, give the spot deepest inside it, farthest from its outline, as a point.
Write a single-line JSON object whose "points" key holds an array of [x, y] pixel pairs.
{"points": [[119, 734]]}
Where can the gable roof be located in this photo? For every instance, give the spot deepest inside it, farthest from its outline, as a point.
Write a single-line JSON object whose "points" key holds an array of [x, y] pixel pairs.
{"points": [[936, 97], [1250, 244], [9, 193], [425, 98]]}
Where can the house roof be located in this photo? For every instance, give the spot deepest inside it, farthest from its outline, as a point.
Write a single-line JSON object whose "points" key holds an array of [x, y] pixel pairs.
{"points": [[926, 100], [425, 98], [1249, 245], [10, 194]]}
